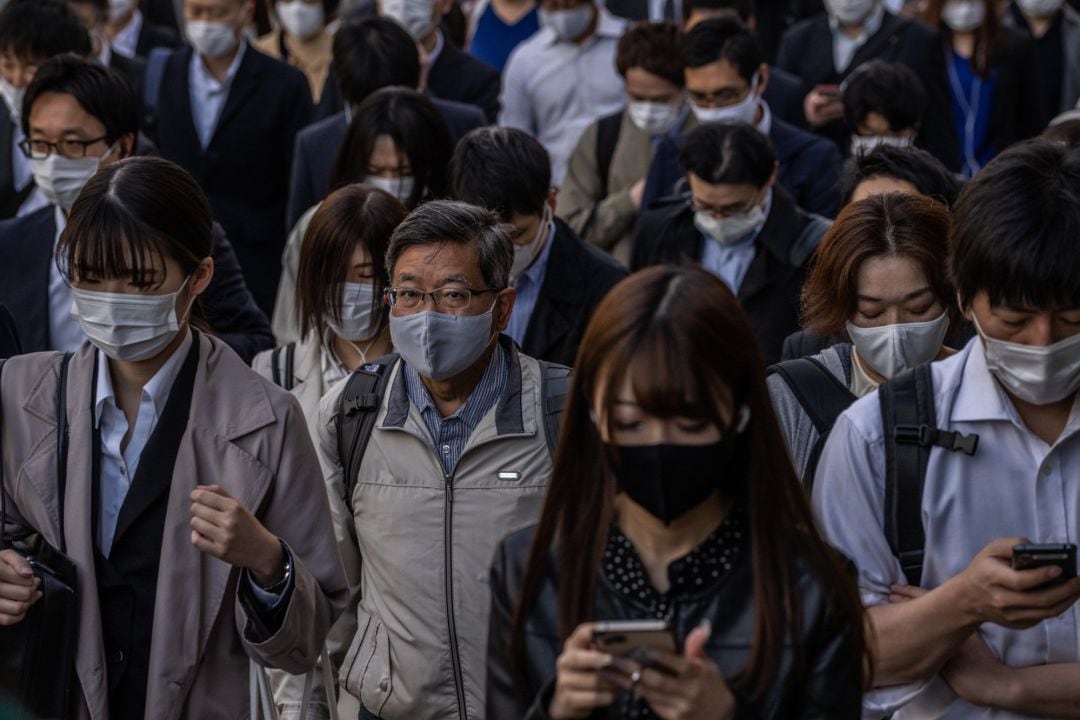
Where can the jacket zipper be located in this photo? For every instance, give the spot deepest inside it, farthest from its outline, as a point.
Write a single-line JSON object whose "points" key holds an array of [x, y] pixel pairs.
{"points": [[455, 653]]}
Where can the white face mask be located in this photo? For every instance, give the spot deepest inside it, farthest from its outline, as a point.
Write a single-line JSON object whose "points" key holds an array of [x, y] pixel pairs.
{"points": [[568, 25], [300, 19], [731, 229], [743, 111], [401, 188], [357, 300], [212, 39], [862, 144], [1040, 8], [61, 179], [1038, 375], [416, 16], [963, 15], [525, 255], [654, 118], [119, 8], [13, 99], [128, 327], [440, 346], [850, 12], [892, 349]]}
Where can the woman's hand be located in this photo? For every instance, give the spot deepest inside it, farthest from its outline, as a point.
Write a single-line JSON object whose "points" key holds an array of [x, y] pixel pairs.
{"points": [[583, 679], [698, 690], [222, 527], [18, 587]]}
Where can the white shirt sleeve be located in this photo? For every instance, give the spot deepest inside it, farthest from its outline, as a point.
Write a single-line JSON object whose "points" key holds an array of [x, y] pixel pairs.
{"points": [[515, 100]]}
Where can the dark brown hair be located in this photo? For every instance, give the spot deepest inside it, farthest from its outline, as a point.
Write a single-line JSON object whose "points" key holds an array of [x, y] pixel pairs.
{"points": [[355, 215], [989, 37], [682, 339], [653, 47], [893, 224]]}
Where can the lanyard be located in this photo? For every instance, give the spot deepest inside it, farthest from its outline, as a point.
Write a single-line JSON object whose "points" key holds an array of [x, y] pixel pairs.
{"points": [[970, 108]]}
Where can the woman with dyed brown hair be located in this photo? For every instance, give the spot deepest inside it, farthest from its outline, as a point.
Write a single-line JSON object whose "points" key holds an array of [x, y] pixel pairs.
{"points": [[671, 499]]}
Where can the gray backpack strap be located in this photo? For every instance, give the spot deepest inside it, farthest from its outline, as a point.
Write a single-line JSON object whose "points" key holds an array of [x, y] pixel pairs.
{"points": [[156, 62], [555, 387], [358, 409]]}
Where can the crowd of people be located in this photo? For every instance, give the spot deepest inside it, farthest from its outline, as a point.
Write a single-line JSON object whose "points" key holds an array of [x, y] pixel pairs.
{"points": [[546, 359]]}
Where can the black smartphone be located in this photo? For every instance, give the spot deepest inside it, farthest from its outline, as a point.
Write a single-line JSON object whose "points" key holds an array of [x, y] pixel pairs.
{"points": [[1035, 555], [636, 640]]}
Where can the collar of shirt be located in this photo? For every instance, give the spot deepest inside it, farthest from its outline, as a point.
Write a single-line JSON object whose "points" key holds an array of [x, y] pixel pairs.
{"points": [[440, 43], [480, 400], [764, 126], [844, 46], [330, 364], [105, 54], [155, 391], [61, 223], [206, 84], [861, 382], [127, 40]]}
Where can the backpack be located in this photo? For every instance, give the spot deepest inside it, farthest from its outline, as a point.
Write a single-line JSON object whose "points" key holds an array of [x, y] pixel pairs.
{"points": [[281, 366], [359, 403], [608, 130]]}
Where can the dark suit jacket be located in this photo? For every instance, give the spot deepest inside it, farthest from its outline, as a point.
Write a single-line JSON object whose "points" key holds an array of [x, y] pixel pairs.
{"points": [[806, 51], [809, 169], [770, 291], [244, 170], [633, 10], [134, 69], [9, 335], [10, 198], [785, 96], [154, 35], [461, 77], [161, 13], [26, 254], [317, 147], [578, 276]]}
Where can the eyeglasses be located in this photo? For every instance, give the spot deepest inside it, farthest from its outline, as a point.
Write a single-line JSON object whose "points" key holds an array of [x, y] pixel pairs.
{"points": [[450, 298], [722, 212], [71, 149]]}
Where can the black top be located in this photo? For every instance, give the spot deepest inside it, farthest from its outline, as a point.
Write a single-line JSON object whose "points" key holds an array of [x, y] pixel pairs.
{"points": [[1050, 63]]}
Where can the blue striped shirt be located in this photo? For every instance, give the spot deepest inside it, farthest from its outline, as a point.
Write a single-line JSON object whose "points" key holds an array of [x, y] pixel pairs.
{"points": [[449, 435]]}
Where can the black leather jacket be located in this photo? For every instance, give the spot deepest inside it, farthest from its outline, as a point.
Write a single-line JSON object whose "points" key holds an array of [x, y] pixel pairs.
{"points": [[833, 682]]}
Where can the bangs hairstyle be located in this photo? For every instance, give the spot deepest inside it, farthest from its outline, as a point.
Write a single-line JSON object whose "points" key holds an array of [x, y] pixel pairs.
{"points": [[130, 217], [355, 215], [1016, 229], [655, 47], [681, 337], [889, 225]]}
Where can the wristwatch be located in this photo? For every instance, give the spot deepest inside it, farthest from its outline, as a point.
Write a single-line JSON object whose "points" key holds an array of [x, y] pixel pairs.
{"points": [[286, 572]]}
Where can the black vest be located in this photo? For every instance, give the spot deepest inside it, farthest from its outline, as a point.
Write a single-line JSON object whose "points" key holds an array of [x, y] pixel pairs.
{"points": [[127, 579]]}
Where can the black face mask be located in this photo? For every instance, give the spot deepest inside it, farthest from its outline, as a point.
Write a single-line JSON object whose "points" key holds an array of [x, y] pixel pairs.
{"points": [[670, 480]]}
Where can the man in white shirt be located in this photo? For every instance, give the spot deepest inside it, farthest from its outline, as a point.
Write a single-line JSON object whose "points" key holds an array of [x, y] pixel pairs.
{"points": [[131, 35], [563, 78], [980, 639]]}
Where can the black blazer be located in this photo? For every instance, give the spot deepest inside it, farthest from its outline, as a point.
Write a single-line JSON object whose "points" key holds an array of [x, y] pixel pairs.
{"points": [[785, 96], [134, 69], [161, 13], [317, 147], [577, 279], [770, 291], [153, 35], [10, 198], [244, 170], [461, 77], [26, 255], [633, 10], [9, 335]]}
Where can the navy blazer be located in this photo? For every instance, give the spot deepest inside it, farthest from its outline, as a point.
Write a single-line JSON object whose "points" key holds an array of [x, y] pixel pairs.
{"points": [[785, 96], [153, 35], [578, 277], [244, 170], [26, 254], [317, 147], [809, 169], [460, 77]]}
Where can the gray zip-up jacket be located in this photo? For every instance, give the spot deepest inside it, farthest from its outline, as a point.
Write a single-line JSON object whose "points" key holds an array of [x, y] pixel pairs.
{"points": [[417, 545]]}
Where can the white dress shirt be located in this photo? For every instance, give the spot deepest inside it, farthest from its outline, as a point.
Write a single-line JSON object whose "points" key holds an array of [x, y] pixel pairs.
{"points": [[208, 95], [127, 40], [65, 333], [1015, 485], [845, 47], [554, 90], [730, 262]]}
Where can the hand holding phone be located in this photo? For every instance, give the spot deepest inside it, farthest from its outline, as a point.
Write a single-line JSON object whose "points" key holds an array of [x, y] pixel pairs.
{"points": [[1034, 555]]}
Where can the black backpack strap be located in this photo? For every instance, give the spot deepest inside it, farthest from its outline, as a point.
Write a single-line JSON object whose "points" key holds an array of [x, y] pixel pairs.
{"points": [[62, 443], [282, 360], [909, 422], [358, 409], [555, 382], [608, 130]]}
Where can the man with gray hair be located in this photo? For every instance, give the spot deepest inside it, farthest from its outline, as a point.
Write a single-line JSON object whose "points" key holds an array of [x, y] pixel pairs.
{"points": [[456, 454]]}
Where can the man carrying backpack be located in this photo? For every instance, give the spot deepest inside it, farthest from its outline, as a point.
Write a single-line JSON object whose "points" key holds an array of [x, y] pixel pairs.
{"points": [[431, 459], [929, 483]]}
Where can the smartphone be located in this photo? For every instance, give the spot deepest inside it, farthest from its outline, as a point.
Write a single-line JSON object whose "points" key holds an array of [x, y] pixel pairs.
{"points": [[832, 91], [1035, 555], [635, 639]]}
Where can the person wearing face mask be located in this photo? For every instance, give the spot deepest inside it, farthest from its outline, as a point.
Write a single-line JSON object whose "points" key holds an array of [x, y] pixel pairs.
{"points": [[302, 39], [397, 142], [945, 649], [1054, 29], [462, 435], [671, 474], [79, 118], [888, 168], [740, 224], [727, 80], [201, 499], [990, 71], [576, 47], [229, 115], [878, 282], [132, 35], [605, 179], [558, 279], [884, 104], [94, 14]]}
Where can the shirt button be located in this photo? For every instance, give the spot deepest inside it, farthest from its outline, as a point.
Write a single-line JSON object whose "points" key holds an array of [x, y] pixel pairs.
{"points": [[1047, 471], [445, 449]]}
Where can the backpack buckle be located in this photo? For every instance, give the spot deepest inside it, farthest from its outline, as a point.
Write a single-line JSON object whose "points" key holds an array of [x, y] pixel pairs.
{"points": [[913, 435]]}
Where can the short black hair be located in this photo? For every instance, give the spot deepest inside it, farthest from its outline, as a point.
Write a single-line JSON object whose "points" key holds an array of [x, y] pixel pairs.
{"points": [[103, 93], [371, 54], [502, 169], [36, 30], [743, 9], [1016, 229], [727, 39], [892, 90], [728, 154], [655, 47], [924, 171]]}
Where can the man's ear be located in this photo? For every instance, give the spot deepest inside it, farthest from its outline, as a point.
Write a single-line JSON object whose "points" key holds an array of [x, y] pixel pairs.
{"points": [[504, 308], [763, 79], [552, 199], [127, 145]]}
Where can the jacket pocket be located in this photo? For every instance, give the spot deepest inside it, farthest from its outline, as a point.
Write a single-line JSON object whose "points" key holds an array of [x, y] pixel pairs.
{"points": [[367, 664]]}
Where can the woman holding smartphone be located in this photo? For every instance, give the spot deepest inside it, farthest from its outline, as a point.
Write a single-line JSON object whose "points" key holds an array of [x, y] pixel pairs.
{"points": [[673, 499]]}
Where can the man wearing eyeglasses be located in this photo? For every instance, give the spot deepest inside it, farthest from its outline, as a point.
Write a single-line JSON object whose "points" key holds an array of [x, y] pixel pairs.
{"points": [[458, 457], [740, 224]]}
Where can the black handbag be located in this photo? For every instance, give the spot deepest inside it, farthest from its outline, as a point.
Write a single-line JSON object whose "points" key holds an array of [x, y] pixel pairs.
{"points": [[37, 655]]}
